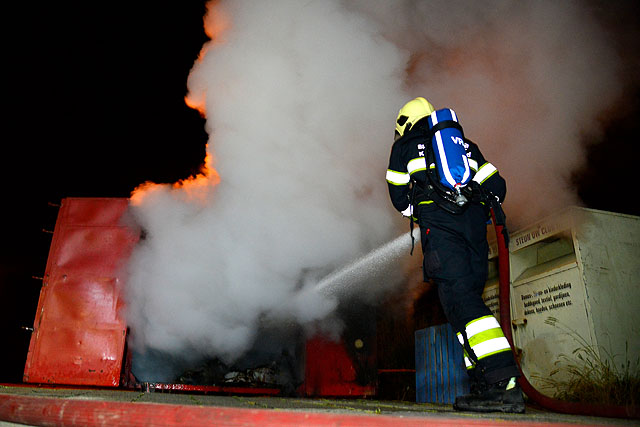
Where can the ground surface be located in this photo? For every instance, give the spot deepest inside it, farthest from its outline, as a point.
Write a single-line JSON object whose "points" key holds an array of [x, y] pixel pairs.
{"points": [[75, 406]]}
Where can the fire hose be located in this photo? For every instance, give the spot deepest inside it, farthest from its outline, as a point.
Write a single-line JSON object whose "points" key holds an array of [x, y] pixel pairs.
{"points": [[556, 405]]}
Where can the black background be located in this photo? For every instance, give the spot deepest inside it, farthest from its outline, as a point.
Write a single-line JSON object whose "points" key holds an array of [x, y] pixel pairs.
{"points": [[95, 108]]}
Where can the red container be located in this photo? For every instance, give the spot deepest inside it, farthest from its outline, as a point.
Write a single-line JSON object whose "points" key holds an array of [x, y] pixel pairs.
{"points": [[79, 335], [331, 372], [79, 331]]}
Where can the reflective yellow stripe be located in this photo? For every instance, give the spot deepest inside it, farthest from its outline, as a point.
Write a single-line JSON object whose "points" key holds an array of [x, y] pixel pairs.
{"points": [[468, 363], [417, 164], [491, 347], [486, 337], [480, 324], [473, 165], [397, 178], [484, 173]]}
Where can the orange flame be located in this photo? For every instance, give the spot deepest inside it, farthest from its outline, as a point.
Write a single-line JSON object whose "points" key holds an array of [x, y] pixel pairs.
{"points": [[193, 189], [198, 187], [197, 104], [216, 23]]}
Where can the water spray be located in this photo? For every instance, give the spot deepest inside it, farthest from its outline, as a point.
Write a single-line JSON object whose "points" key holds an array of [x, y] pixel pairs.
{"points": [[377, 266]]}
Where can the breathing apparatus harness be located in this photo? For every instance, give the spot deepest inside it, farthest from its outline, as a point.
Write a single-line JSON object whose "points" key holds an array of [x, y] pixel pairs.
{"points": [[473, 193]]}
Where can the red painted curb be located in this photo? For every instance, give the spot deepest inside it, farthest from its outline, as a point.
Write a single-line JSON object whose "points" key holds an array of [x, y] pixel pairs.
{"points": [[66, 412]]}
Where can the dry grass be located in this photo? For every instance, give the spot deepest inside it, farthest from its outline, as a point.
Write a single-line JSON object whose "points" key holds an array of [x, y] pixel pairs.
{"points": [[593, 375]]}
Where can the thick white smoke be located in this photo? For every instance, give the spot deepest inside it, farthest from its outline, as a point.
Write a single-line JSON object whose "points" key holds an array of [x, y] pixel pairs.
{"points": [[300, 100], [527, 79]]}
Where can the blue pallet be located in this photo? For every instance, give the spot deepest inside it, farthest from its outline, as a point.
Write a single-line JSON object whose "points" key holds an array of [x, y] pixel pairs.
{"points": [[440, 370]]}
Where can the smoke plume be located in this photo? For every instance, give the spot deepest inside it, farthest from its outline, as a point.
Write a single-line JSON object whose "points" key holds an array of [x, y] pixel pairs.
{"points": [[528, 81], [300, 100]]}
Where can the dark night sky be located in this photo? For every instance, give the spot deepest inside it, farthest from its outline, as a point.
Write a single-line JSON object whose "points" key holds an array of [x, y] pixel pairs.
{"points": [[96, 107]]}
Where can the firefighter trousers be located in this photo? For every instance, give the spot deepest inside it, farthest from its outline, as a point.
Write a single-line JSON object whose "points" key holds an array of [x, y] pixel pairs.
{"points": [[455, 251]]}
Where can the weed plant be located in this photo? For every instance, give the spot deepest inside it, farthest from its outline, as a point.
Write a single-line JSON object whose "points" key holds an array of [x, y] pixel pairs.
{"points": [[593, 376]]}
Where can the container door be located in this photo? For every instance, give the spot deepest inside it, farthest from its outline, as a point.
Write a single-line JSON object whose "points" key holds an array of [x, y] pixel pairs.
{"points": [[79, 331], [559, 294]]}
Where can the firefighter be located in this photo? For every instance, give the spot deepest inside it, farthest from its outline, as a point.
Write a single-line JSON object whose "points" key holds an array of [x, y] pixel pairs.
{"points": [[455, 258]]}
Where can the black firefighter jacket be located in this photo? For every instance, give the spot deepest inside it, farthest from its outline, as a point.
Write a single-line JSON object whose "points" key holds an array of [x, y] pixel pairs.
{"points": [[407, 162]]}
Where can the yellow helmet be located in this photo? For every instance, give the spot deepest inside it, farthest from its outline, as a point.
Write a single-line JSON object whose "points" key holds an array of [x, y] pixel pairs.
{"points": [[412, 111]]}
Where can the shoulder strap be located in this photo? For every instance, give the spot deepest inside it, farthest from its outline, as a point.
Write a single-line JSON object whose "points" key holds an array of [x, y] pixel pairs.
{"points": [[446, 124], [429, 155]]}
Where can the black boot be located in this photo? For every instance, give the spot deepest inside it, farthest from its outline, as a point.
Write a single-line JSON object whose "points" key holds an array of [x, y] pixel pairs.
{"points": [[477, 384], [504, 396]]}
